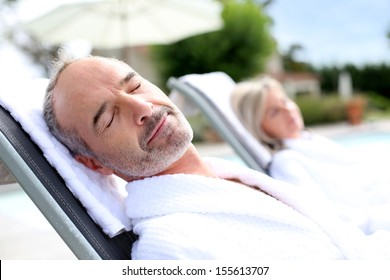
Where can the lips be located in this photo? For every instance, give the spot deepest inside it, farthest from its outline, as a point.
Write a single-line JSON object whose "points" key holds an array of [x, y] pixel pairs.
{"points": [[158, 128]]}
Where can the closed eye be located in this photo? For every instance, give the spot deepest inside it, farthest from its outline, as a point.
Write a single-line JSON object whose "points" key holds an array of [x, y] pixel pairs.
{"points": [[135, 88], [111, 120], [273, 112]]}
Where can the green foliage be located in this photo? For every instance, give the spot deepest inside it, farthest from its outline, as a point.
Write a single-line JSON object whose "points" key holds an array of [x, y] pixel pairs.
{"points": [[240, 48], [331, 108], [329, 78], [8, 2], [199, 125], [370, 77], [388, 33], [291, 63], [40, 54], [375, 78], [326, 109], [378, 102]]}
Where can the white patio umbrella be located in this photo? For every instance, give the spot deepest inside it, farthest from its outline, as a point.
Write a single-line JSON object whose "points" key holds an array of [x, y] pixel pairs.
{"points": [[124, 23]]}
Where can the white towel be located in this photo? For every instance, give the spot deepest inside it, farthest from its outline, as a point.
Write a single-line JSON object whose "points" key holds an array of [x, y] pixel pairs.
{"points": [[102, 196]]}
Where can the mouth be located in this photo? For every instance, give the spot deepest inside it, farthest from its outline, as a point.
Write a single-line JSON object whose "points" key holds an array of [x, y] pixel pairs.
{"points": [[158, 128]]}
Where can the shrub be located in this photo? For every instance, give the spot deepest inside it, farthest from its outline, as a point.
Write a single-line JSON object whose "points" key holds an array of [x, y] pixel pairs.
{"points": [[325, 109], [239, 49], [366, 78], [378, 102]]}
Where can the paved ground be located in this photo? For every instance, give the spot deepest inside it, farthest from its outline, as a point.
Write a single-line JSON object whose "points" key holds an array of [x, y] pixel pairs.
{"points": [[25, 233]]}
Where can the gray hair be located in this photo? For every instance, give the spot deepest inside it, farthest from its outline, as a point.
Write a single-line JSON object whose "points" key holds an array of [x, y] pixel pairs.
{"points": [[248, 102], [70, 138]]}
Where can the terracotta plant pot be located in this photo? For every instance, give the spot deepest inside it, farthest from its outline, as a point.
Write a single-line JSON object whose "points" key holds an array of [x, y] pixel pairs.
{"points": [[355, 109]]}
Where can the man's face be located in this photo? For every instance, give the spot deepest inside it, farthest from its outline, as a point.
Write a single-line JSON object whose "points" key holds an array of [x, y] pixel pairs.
{"points": [[129, 124]]}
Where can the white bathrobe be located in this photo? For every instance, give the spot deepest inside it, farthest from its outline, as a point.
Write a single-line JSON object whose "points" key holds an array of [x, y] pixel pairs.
{"points": [[195, 217], [358, 185]]}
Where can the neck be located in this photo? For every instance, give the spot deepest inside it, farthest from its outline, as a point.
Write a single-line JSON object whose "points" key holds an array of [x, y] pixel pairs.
{"points": [[190, 163]]}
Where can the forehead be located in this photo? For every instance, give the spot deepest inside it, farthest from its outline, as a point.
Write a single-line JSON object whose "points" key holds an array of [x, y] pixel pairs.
{"points": [[94, 70], [275, 94], [90, 74], [81, 87]]}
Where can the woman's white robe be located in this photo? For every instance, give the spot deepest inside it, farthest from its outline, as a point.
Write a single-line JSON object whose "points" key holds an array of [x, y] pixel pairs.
{"points": [[357, 182]]}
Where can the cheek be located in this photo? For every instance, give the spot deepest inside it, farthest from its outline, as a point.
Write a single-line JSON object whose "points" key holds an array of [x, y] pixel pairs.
{"points": [[268, 128], [274, 129], [298, 112], [123, 142], [114, 145]]}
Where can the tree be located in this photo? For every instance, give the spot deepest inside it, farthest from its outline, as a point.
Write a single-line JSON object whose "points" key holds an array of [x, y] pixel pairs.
{"points": [[8, 2], [388, 35], [240, 48], [39, 53], [6, 7], [263, 3], [290, 61]]}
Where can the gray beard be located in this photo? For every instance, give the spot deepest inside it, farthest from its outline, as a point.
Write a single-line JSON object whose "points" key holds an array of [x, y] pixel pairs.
{"points": [[157, 158]]}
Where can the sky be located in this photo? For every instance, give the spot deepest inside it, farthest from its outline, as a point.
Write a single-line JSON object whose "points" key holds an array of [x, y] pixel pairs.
{"points": [[331, 32], [334, 32]]}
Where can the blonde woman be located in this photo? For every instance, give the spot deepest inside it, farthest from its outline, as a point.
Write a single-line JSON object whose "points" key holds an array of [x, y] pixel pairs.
{"points": [[267, 112], [359, 189]]}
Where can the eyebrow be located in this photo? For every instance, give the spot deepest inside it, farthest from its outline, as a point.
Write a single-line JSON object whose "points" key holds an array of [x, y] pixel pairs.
{"points": [[126, 79]]}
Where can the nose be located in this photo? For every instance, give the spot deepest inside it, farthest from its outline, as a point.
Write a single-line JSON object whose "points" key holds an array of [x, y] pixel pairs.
{"points": [[289, 112], [139, 108]]}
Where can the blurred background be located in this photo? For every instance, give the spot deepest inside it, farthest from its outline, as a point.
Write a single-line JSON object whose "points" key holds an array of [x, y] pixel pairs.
{"points": [[326, 53], [330, 56]]}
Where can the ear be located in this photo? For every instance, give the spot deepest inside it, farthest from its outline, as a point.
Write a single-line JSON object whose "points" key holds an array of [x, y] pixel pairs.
{"points": [[94, 164]]}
